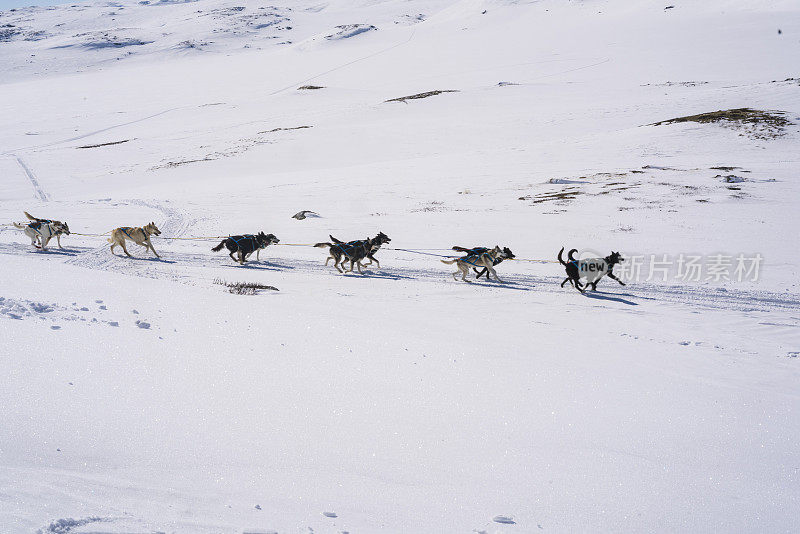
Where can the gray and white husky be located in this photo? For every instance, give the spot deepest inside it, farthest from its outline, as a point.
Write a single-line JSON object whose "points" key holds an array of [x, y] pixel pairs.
{"points": [[42, 232], [487, 260]]}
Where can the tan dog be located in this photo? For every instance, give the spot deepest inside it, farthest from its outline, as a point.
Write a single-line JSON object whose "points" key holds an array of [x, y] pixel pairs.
{"points": [[484, 259], [139, 235]]}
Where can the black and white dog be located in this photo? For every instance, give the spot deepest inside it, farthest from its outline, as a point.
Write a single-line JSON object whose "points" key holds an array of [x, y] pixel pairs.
{"points": [[592, 269], [353, 251], [506, 255], [246, 244]]}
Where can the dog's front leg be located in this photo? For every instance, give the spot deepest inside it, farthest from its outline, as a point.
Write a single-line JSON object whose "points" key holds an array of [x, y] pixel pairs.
{"points": [[58, 238], [611, 275], [491, 270], [149, 245]]}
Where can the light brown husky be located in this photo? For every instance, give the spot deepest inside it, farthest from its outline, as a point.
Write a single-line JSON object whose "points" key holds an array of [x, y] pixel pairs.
{"points": [[483, 259], [139, 235]]}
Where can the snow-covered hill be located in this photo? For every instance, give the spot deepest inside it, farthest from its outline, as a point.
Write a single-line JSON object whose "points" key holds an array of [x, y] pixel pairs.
{"points": [[42, 41], [141, 396]]}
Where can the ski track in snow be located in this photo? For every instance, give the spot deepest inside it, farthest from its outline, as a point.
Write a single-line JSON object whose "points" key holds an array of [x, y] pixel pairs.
{"points": [[32, 177], [88, 134], [344, 65]]}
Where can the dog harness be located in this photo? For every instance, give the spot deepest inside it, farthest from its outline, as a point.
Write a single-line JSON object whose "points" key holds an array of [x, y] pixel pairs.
{"points": [[129, 235], [350, 245], [476, 253], [36, 227], [466, 258], [250, 237]]}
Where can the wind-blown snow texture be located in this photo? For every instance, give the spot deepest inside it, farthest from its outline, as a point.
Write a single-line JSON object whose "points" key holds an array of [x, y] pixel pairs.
{"points": [[140, 396]]}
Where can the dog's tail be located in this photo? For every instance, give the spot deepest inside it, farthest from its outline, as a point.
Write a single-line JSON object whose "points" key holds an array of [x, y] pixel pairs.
{"points": [[449, 262], [334, 239], [20, 226], [571, 254], [29, 216], [219, 247], [461, 249], [323, 245], [560, 259]]}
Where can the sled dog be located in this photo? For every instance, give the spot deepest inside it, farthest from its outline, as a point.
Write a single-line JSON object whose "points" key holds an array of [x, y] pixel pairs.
{"points": [[246, 244], [353, 251], [59, 226], [477, 259], [375, 245], [592, 269], [507, 255], [41, 233], [139, 235]]}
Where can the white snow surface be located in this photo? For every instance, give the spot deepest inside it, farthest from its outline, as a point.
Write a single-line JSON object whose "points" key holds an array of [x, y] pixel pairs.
{"points": [[139, 396]]}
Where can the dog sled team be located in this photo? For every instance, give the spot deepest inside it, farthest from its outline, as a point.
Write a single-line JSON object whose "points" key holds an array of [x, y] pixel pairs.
{"points": [[481, 260]]}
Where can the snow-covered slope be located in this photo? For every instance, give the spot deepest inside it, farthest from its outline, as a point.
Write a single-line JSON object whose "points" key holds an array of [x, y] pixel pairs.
{"points": [[140, 396], [87, 36]]}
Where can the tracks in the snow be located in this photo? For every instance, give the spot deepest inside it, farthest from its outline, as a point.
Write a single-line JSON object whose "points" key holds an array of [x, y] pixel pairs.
{"points": [[201, 266], [32, 177]]}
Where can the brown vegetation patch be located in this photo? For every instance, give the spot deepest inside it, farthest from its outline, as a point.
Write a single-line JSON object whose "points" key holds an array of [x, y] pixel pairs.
{"points": [[756, 123], [105, 144], [244, 288], [285, 129], [421, 95]]}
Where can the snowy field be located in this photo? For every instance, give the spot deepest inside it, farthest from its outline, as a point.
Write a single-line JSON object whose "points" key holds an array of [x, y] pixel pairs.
{"points": [[139, 396]]}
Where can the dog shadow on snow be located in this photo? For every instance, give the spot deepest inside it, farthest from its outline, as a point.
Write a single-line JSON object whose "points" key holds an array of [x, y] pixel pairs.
{"points": [[385, 275], [142, 258], [611, 297], [505, 284], [259, 266], [58, 251], [275, 265]]}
